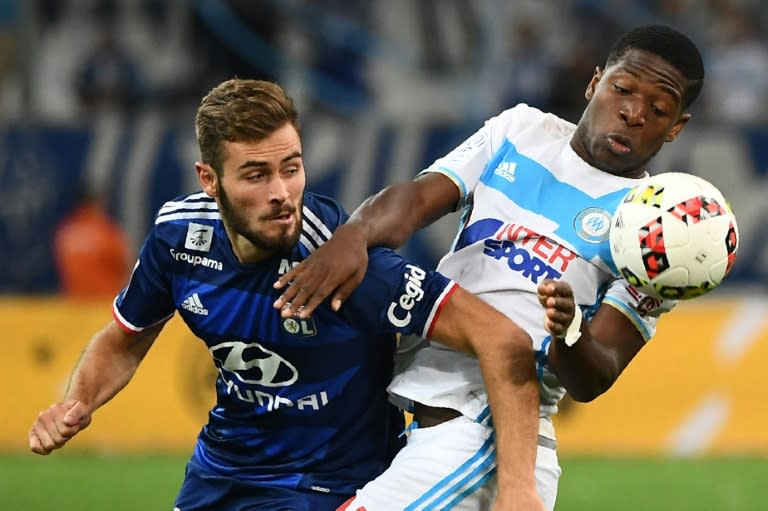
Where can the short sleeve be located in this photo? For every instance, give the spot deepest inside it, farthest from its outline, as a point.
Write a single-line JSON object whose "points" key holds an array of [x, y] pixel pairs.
{"points": [[641, 309], [397, 296], [147, 300], [465, 164]]}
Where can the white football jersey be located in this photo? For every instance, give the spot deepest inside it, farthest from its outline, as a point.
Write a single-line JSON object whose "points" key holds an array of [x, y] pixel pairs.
{"points": [[532, 209]]}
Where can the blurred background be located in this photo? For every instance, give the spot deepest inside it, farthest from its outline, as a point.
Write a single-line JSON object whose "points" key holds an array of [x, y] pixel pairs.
{"points": [[97, 104]]}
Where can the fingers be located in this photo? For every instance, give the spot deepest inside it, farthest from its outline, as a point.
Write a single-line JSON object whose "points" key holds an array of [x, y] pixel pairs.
{"points": [[40, 442], [302, 298], [35, 444], [44, 436], [305, 303], [549, 287], [55, 426], [557, 303], [335, 268], [286, 279], [563, 317], [307, 286], [557, 299], [78, 417], [345, 290], [293, 276], [300, 301], [309, 289]]}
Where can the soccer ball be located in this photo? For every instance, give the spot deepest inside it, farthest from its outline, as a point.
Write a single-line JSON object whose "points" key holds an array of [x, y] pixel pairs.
{"points": [[674, 236]]}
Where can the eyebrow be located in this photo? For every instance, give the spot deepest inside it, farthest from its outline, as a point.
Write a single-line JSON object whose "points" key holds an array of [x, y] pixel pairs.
{"points": [[669, 89], [261, 163]]}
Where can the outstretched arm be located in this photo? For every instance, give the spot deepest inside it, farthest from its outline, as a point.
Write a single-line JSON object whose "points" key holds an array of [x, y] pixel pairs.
{"points": [[506, 358], [388, 219], [602, 349], [106, 366]]}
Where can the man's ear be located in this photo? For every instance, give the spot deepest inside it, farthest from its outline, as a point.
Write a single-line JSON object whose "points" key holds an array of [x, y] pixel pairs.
{"points": [[593, 83], [209, 180], [678, 127]]}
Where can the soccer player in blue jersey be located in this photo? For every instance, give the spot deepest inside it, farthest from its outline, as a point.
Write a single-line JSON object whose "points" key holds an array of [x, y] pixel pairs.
{"points": [[537, 194], [302, 417]]}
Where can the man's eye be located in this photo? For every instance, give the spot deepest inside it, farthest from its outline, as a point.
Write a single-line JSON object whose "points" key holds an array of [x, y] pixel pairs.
{"points": [[620, 90]]}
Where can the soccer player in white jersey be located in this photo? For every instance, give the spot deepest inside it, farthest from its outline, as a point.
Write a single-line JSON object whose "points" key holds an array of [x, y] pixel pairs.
{"points": [[301, 418], [537, 193]]}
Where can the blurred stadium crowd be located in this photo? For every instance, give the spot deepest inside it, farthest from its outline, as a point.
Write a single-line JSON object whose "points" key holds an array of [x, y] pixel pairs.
{"points": [[60, 59], [102, 93]]}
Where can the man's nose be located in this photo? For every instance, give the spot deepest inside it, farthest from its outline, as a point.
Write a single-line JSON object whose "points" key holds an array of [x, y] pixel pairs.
{"points": [[278, 191], [633, 112]]}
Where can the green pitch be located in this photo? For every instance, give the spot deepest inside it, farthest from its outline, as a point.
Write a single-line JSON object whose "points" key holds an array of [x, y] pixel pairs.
{"points": [[661, 484], [70, 482]]}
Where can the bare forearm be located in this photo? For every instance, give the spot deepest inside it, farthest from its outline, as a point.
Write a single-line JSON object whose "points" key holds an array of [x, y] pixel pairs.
{"points": [[513, 394], [507, 362], [591, 366], [107, 365], [586, 369], [390, 217]]}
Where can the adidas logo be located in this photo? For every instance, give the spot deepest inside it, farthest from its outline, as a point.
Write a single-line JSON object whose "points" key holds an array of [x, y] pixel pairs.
{"points": [[506, 170], [194, 305]]}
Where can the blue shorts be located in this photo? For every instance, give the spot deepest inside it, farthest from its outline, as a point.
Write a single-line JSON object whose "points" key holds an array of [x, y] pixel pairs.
{"points": [[203, 490]]}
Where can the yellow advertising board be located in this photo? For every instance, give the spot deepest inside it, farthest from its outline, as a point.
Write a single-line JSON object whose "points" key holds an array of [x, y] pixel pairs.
{"points": [[163, 407], [696, 388]]}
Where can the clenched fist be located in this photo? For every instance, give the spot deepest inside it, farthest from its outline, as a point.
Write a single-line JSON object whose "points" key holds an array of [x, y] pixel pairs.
{"points": [[559, 306], [56, 425]]}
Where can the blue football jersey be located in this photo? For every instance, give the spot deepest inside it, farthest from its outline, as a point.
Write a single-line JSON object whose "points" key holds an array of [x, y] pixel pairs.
{"points": [[301, 403]]}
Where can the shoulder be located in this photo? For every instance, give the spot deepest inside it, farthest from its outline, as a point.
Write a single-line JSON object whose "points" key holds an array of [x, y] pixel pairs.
{"points": [[525, 116], [195, 206], [194, 216], [321, 216]]}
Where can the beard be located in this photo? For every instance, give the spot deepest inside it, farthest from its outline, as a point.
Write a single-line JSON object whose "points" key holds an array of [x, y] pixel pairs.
{"points": [[238, 221]]}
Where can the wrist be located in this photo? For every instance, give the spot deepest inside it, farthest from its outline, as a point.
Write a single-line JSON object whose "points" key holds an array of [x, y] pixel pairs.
{"points": [[573, 332], [354, 232]]}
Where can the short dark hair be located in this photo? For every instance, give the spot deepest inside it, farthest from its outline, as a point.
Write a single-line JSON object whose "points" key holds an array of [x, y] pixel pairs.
{"points": [[240, 111], [670, 45]]}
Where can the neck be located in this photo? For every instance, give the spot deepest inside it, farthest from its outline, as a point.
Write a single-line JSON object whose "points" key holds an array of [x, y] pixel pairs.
{"points": [[579, 147], [245, 251]]}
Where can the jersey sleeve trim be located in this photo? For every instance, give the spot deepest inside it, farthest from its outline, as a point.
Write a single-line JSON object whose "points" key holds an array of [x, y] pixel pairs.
{"points": [[437, 308], [192, 207], [631, 314], [130, 327], [450, 175], [314, 232], [214, 215]]}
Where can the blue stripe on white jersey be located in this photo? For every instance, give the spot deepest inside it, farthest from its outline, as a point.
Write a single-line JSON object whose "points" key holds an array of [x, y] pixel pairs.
{"points": [[536, 189], [466, 479]]}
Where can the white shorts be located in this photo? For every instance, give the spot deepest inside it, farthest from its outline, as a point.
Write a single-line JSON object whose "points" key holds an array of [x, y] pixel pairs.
{"points": [[449, 466]]}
